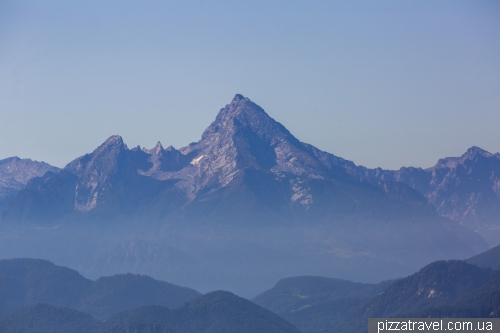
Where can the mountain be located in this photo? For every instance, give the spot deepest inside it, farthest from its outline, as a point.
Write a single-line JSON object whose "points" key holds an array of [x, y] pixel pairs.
{"points": [[43, 318], [246, 196], [245, 162], [25, 282], [441, 284], [218, 311], [465, 189], [15, 174], [314, 304], [483, 302], [109, 295], [490, 258], [30, 281]]}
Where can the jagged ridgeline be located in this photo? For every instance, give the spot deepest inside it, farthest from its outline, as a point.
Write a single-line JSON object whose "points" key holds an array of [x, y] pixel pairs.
{"points": [[244, 206]]}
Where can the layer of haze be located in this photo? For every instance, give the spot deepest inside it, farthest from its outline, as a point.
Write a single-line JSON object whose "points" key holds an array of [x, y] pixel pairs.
{"points": [[382, 83]]}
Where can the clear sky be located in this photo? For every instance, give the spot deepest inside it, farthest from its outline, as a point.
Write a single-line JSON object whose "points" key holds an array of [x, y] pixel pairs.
{"points": [[382, 83]]}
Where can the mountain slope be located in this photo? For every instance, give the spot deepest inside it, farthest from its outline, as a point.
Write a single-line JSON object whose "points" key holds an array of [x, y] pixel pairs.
{"points": [[314, 303], [490, 258], [15, 174], [25, 282], [218, 311], [466, 189], [439, 284], [43, 318], [113, 294], [30, 281]]}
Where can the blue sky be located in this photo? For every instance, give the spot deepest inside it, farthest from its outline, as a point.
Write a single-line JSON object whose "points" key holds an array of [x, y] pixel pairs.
{"points": [[382, 83]]}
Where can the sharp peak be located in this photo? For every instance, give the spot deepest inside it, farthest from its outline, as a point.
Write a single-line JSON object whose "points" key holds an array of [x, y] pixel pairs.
{"points": [[239, 97], [470, 154], [113, 141], [114, 138], [158, 148], [240, 104], [474, 150], [243, 110]]}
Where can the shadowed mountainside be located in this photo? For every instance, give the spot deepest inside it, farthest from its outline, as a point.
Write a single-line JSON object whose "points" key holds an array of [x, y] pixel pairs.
{"points": [[441, 284], [215, 312], [313, 303], [25, 282], [15, 174], [466, 189]]}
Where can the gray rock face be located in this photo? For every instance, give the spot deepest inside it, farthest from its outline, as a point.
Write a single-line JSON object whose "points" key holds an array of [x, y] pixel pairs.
{"points": [[244, 154], [465, 189], [15, 174], [244, 136]]}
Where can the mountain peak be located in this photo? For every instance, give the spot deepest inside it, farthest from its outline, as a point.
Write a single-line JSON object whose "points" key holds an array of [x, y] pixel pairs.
{"points": [[158, 148], [244, 111], [474, 151], [239, 118], [238, 97], [114, 139], [471, 154], [112, 143], [243, 136]]}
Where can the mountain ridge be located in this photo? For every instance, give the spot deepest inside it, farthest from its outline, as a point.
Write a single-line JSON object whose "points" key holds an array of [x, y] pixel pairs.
{"points": [[242, 137], [465, 189], [252, 186]]}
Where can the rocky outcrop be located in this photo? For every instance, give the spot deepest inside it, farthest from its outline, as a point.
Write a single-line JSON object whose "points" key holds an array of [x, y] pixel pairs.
{"points": [[465, 189], [15, 174]]}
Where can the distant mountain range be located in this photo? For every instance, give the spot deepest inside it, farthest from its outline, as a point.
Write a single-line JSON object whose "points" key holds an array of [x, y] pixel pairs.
{"points": [[314, 303], [454, 289], [15, 174], [38, 296], [246, 156], [465, 189], [246, 169], [247, 160], [246, 196], [26, 282]]}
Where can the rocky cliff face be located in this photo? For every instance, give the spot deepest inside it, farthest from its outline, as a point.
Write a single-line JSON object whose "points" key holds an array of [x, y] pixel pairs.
{"points": [[15, 174], [465, 189]]}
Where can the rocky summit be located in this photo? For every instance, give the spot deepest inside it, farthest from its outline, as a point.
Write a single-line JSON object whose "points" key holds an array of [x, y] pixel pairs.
{"points": [[247, 197], [244, 156], [465, 189]]}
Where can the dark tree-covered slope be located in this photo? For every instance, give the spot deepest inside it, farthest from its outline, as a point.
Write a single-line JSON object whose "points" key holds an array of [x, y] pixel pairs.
{"points": [[25, 282], [218, 311], [113, 294], [315, 303], [437, 285], [44, 318], [490, 258]]}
